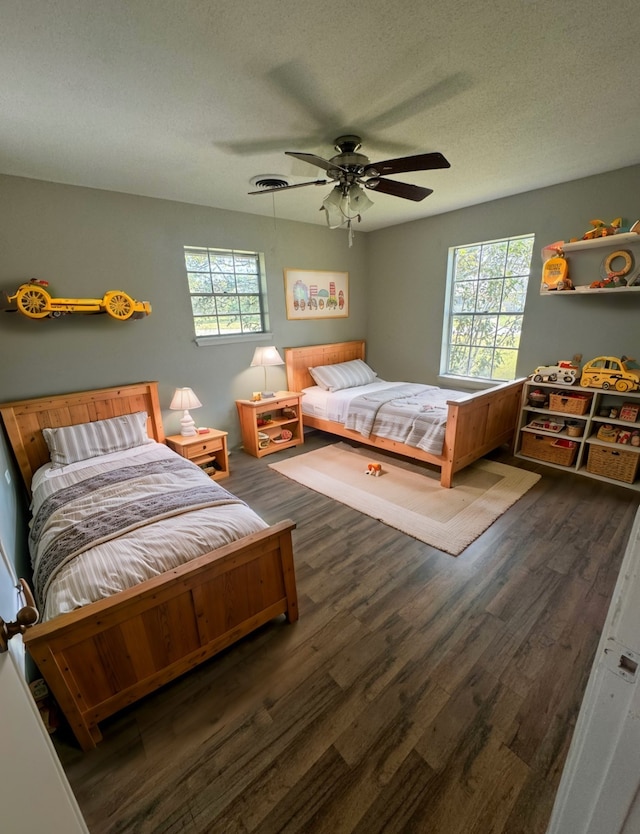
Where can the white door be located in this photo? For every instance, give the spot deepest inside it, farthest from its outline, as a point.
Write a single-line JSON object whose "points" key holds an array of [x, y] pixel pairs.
{"points": [[599, 791], [33, 787]]}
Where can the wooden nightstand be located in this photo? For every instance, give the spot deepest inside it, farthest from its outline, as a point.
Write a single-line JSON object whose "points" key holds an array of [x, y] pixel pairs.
{"points": [[208, 450], [285, 415]]}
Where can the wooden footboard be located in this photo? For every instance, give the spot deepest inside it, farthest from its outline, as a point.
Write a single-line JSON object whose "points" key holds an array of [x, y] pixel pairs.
{"points": [[476, 424], [106, 655]]}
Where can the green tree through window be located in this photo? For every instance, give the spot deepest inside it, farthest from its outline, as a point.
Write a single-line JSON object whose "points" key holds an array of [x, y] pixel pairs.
{"points": [[487, 288], [227, 291]]}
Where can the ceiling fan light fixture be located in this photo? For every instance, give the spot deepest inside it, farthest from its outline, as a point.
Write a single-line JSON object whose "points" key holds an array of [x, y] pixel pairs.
{"points": [[358, 200], [332, 206]]}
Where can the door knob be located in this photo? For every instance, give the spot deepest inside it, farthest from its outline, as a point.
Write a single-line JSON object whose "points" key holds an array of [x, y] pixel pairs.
{"points": [[26, 616]]}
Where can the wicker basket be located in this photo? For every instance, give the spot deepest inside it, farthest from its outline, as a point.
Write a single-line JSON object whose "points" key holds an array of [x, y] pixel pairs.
{"points": [[617, 464], [569, 403], [551, 449]]}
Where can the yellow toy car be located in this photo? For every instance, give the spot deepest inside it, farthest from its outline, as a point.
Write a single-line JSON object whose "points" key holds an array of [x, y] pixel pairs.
{"points": [[34, 301], [610, 372]]}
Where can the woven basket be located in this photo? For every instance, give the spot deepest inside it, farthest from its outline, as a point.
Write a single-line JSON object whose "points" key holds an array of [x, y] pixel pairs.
{"points": [[617, 464], [569, 403], [551, 449]]}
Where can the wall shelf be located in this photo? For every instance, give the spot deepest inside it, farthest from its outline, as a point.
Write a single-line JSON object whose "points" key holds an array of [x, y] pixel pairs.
{"points": [[583, 270]]}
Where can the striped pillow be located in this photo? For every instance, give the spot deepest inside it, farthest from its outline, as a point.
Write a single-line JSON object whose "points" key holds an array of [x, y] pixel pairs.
{"points": [[343, 375], [69, 444]]}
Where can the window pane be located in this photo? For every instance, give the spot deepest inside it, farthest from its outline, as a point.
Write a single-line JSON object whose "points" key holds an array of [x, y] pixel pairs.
{"points": [[461, 330], [489, 296], [228, 304], [481, 362], [199, 282], [248, 283], [484, 330], [197, 261], [468, 263], [464, 297], [459, 361], [487, 292], [249, 304], [251, 324], [206, 326], [514, 295], [221, 262], [508, 333], [227, 291], [203, 305], [493, 260], [224, 283]]}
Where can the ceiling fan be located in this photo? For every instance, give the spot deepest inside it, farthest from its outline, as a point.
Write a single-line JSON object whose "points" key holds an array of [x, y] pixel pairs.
{"points": [[351, 171]]}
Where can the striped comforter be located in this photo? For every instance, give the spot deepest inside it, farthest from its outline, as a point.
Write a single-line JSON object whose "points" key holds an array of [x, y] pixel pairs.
{"points": [[411, 413], [115, 521]]}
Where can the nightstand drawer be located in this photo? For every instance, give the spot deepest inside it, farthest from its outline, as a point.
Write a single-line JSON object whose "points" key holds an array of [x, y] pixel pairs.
{"points": [[203, 447]]}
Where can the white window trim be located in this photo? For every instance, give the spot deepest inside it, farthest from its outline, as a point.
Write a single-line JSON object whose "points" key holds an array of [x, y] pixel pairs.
{"points": [[207, 341]]}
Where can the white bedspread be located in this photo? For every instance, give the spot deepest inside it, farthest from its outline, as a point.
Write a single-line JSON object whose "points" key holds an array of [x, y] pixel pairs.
{"points": [[409, 413], [141, 553]]}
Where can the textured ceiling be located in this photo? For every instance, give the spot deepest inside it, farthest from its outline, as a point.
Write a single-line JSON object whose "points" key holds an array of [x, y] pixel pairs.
{"points": [[189, 100]]}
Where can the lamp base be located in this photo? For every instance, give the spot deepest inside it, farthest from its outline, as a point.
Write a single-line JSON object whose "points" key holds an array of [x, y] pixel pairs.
{"points": [[187, 425]]}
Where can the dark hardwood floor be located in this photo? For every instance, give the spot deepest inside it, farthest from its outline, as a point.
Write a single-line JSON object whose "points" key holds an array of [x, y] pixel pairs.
{"points": [[417, 693]]}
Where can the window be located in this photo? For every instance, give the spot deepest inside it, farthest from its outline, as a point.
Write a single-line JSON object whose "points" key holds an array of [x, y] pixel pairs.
{"points": [[227, 287], [487, 288]]}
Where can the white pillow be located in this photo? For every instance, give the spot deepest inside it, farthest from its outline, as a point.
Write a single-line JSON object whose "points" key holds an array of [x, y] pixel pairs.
{"points": [[343, 375], [69, 444]]}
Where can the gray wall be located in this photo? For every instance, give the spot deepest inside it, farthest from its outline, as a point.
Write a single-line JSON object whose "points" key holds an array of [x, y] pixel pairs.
{"points": [[86, 241], [407, 269]]}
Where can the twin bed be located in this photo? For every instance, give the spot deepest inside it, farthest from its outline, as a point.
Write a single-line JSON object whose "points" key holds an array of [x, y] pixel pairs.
{"points": [[144, 568], [449, 429], [142, 621]]}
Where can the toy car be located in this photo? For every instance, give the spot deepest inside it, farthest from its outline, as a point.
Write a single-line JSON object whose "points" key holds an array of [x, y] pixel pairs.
{"points": [[610, 372], [34, 301], [563, 372]]}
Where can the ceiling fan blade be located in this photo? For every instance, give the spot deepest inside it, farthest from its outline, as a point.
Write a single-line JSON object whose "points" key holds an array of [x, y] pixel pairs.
{"points": [[318, 161], [399, 189], [288, 187], [420, 162]]}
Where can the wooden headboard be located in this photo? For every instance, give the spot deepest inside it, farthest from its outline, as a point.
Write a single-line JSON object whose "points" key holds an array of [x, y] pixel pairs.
{"points": [[298, 360], [24, 420]]}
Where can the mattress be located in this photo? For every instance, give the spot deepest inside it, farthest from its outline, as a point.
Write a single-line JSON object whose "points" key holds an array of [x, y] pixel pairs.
{"points": [[72, 506]]}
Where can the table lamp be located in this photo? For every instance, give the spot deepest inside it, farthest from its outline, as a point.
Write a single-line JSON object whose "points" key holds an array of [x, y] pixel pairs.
{"points": [[183, 400], [266, 356]]}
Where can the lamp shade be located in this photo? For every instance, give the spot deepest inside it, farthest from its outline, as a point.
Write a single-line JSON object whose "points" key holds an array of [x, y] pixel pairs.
{"points": [[183, 400], [266, 356]]}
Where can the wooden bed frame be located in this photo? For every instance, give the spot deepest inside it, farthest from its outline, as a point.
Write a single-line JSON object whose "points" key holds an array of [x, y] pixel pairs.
{"points": [[110, 653], [476, 424]]}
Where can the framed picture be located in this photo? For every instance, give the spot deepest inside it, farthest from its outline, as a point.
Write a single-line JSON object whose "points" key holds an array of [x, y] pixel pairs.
{"points": [[314, 294]]}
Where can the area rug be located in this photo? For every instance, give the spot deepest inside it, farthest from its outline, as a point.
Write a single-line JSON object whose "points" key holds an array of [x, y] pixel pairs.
{"points": [[409, 497]]}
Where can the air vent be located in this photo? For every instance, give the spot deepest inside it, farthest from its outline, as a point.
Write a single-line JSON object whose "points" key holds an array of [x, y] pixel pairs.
{"points": [[269, 181]]}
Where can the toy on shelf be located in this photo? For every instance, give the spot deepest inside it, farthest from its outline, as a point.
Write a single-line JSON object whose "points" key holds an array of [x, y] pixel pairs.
{"points": [[555, 272], [563, 372], [34, 301], [601, 229], [374, 469], [614, 269], [610, 372]]}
